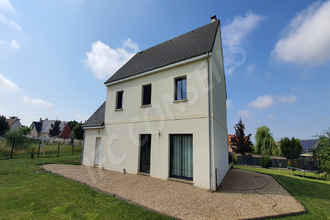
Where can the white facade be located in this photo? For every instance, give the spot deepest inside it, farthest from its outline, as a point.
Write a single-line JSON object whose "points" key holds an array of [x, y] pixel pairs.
{"points": [[202, 115]]}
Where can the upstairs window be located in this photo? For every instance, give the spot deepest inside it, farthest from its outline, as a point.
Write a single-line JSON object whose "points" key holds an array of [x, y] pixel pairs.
{"points": [[181, 88], [146, 94], [119, 100]]}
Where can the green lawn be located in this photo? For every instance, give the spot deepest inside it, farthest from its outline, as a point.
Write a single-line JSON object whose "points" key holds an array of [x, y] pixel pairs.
{"points": [[28, 193], [313, 194]]}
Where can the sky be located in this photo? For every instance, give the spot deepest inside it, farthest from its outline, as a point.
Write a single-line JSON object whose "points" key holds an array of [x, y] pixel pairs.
{"points": [[56, 55]]}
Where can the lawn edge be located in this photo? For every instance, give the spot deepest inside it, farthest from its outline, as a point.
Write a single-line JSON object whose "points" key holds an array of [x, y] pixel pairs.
{"points": [[279, 215]]}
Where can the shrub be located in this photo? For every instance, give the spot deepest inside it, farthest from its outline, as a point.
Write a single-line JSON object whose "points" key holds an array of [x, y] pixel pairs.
{"points": [[235, 159], [230, 157], [265, 162]]}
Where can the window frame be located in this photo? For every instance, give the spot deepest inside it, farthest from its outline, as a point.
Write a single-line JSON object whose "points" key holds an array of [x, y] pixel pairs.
{"points": [[117, 100], [143, 95], [180, 78]]}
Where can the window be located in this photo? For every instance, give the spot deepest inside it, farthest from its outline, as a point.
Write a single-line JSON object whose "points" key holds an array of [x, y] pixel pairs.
{"points": [[180, 88], [146, 94], [181, 156], [119, 100]]}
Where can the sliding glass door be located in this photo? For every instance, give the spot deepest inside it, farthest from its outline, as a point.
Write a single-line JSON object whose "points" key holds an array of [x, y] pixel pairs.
{"points": [[181, 156], [145, 143]]}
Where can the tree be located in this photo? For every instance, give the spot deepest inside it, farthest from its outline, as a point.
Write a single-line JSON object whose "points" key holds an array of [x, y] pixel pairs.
{"points": [[72, 124], [241, 144], [4, 126], [265, 143], [78, 131], [55, 129], [25, 130], [15, 139], [291, 149], [322, 151]]}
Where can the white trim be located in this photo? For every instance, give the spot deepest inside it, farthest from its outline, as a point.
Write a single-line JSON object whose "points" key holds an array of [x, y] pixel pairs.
{"points": [[96, 127], [161, 68]]}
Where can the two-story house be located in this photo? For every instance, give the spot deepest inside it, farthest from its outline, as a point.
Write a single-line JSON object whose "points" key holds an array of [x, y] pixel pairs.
{"points": [[165, 113]]}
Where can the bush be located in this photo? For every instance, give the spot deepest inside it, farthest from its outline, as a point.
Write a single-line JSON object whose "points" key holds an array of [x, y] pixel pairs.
{"points": [[230, 157], [235, 159], [265, 162]]}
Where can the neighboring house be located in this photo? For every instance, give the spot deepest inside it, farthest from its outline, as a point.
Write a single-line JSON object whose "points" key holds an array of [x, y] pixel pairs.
{"points": [[40, 130], [14, 123], [230, 148], [308, 145], [165, 113]]}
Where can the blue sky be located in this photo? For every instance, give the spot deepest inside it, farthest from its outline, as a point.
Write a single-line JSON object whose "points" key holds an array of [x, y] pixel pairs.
{"points": [[56, 55]]}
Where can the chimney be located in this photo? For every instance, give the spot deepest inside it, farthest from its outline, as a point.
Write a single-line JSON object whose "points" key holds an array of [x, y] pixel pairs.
{"points": [[213, 18]]}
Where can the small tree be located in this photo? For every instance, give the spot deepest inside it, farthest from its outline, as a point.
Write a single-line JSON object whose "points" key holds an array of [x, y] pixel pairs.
{"points": [[55, 129], [4, 127], [78, 131], [265, 143], [241, 144], [291, 149], [15, 139], [25, 130], [322, 151]]}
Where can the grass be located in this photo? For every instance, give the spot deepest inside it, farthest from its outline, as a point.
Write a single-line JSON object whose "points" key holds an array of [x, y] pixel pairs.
{"points": [[313, 194], [28, 193]]}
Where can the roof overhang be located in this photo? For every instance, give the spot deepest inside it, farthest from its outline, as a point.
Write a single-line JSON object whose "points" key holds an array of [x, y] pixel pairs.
{"points": [[190, 60], [95, 127]]}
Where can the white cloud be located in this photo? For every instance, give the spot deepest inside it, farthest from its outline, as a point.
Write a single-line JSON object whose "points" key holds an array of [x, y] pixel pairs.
{"points": [[6, 6], [105, 61], [12, 44], [306, 39], [233, 34], [28, 100], [287, 99], [263, 102], [7, 85], [229, 103], [244, 114], [9, 23], [266, 101]]}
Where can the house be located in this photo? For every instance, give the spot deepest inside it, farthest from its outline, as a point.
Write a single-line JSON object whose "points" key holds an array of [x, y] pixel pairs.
{"points": [[14, 123], [230, 148], [165, 113], [40, 130], [308, 145]]}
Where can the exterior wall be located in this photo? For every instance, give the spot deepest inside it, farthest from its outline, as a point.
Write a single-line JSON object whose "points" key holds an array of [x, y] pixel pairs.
{"points": [[218, 110], [120, 138], [16, 125], [66, 132], [90, 145]]}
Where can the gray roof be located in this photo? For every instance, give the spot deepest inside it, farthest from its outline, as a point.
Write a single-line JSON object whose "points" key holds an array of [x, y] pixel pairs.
{"points": [[308, 144], [97, 119], [46, 125], [185, 46]]}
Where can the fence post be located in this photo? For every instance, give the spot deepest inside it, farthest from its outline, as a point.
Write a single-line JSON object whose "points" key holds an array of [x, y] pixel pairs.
{"points": [[12, 149], [58, 149], [39, 148]]}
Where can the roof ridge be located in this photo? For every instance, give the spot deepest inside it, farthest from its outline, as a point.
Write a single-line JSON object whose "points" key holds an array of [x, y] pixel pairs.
{"points": [[217, 21]]}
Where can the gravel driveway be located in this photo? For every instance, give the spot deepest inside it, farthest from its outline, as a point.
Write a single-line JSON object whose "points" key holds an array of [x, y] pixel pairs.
{"points": [[244, 194]]}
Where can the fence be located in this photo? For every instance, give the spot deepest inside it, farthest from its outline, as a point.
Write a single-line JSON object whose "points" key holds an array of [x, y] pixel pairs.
{"points": [[38, 149], [308, 163]]}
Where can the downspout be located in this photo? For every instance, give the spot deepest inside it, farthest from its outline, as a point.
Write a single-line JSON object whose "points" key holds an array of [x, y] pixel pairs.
{"points": [[209, 117]]}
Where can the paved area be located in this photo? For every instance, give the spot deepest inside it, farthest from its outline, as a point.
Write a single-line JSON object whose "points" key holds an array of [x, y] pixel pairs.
{"points": [[244, 194]]}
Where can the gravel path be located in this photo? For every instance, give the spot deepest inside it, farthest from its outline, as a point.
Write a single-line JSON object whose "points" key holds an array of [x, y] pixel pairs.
{"points": [[244, 194]]}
